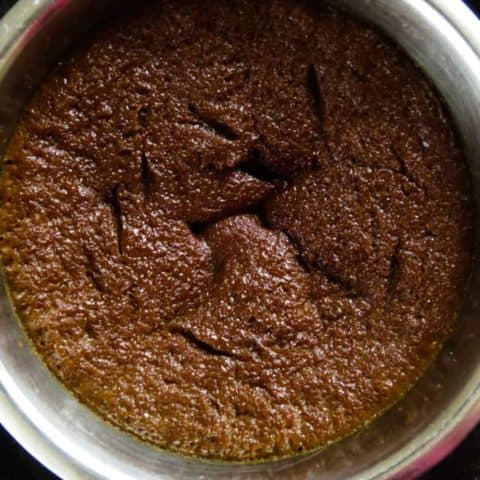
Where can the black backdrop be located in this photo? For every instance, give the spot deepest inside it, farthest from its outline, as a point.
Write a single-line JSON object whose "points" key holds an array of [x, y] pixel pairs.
{"points": [[463, 464]]}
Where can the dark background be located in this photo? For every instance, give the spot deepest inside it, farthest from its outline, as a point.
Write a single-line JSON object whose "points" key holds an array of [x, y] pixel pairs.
{"points": [[463, 464]]}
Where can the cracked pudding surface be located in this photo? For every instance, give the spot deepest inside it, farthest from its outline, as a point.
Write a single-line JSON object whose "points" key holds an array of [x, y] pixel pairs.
{"points": [[237, 229]]}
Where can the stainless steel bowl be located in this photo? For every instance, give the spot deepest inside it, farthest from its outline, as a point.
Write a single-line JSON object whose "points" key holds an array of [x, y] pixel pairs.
{"points": [[444, 37]]}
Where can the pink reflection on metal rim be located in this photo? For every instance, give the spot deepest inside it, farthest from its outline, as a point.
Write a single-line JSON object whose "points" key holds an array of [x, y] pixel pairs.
{"points": [[438, 450], [43, 19]]}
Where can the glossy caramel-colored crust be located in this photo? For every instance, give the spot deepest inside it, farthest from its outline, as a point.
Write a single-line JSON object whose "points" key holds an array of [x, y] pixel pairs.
{"points": [[237, 229]]}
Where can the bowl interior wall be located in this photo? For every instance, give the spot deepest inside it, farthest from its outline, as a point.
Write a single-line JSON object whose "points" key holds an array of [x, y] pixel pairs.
{"points": [[436, 403]]}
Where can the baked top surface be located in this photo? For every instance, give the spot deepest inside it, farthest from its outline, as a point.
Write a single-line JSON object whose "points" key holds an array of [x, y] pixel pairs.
{"points": [[237, 230]]}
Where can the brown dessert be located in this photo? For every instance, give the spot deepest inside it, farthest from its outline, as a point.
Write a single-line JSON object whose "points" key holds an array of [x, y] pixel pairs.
{"points": [[237, 229]]}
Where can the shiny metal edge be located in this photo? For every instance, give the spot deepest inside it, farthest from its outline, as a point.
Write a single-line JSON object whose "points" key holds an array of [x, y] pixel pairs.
{"points": [[35, 443], [57, 453], [458, 21], [460, 15], [21, 419], [411, 463], [14, 25]]}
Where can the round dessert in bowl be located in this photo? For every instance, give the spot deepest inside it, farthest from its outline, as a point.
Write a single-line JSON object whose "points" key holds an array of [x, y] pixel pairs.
{"points": [[241, 232]]}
